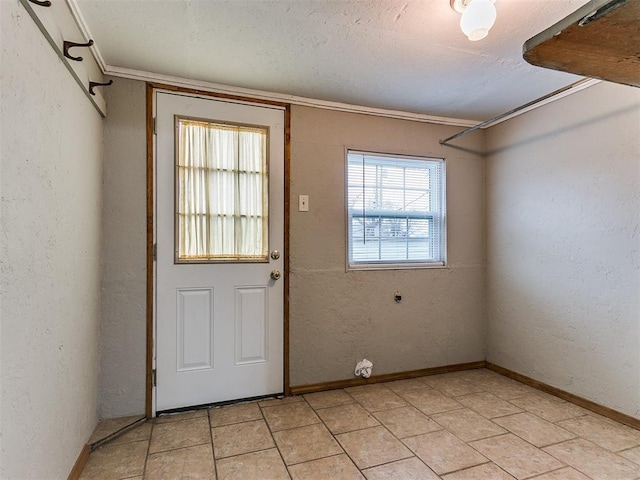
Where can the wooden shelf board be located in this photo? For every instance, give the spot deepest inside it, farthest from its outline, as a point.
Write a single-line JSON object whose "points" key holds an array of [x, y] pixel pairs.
{"points": [[605, 45]]}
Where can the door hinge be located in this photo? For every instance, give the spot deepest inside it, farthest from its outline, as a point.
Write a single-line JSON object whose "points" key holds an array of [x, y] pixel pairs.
{"points": [[155, 122], [154, 377], [155, 252]]}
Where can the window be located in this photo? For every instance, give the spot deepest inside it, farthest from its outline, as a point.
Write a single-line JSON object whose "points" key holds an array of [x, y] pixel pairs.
{"points": [[221, 192], [395, 207]]}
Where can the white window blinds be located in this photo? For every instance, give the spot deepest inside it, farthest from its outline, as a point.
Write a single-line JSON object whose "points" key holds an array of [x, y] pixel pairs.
{"points": [[221, 192], [395, 210]]}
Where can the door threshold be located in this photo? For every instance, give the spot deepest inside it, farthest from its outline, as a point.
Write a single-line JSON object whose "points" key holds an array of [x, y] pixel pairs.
{"points": [[205, 406]]}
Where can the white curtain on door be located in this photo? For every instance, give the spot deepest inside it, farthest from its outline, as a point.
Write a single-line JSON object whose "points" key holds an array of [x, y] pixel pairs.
{"points": [[221, 191]]}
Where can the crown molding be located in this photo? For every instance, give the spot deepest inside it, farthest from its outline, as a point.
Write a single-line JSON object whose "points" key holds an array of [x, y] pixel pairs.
{"points": [[84, 28], [293, 99], [281, 97]]}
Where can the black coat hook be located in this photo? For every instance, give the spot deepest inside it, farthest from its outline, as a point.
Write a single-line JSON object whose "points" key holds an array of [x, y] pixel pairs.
{"points": [[96, 84], [45, 3], [67, 45]]}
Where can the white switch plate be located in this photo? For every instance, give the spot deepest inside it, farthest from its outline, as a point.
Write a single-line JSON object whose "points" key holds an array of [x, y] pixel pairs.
{"points": [[303, 203]]}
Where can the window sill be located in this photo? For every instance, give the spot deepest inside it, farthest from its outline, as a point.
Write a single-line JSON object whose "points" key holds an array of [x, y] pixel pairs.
{"points": [[395, 266]]}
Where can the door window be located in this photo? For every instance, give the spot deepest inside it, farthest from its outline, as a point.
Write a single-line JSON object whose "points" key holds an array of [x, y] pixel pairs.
{"points": [[221, 192]]}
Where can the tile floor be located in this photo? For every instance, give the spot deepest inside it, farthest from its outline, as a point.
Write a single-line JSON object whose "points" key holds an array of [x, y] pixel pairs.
{"points": [[466, 425]]}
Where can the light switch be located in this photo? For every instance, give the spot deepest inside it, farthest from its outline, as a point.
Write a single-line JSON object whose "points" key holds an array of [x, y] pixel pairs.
{"points": [[303, 203]]}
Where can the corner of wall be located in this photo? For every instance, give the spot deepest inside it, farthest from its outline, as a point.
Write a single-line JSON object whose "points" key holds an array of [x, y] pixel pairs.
{"points": [[563, 189]]}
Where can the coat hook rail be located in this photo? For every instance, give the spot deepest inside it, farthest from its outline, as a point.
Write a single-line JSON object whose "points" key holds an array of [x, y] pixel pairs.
{"points": [[45, 3], [97, 84], [67, 45], [56, 23]]}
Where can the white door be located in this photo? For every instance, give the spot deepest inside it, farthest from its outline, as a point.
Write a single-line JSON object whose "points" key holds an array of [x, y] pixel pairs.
{"points": [[220, 239]]}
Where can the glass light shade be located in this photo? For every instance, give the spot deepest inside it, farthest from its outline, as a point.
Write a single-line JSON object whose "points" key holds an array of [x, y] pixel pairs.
{"points": [[477, 19]]}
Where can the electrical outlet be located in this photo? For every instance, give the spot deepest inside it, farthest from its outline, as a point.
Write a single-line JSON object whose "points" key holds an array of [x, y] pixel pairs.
{"points": [[303, 203]]}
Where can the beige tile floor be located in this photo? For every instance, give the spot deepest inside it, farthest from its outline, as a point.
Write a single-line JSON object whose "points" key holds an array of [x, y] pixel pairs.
{"points": [[472, 425]]}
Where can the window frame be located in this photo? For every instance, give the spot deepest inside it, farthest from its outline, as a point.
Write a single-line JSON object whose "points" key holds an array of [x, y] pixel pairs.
{"points": [[395, 264]]}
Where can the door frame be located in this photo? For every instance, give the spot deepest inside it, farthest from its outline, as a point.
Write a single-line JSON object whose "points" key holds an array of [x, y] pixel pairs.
{"points": [[151, 89]]}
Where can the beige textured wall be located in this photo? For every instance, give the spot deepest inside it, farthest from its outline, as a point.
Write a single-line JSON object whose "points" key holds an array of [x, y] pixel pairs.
{"points": [[563, 245], [339, 317], [51, 183], [124, 273]]}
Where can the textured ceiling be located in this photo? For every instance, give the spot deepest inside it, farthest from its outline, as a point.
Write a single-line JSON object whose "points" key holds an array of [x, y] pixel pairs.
{"points": [[400, 55]]}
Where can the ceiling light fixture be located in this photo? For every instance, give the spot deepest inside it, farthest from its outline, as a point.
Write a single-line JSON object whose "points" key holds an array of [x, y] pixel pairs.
{"points": [[478, 16]]}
